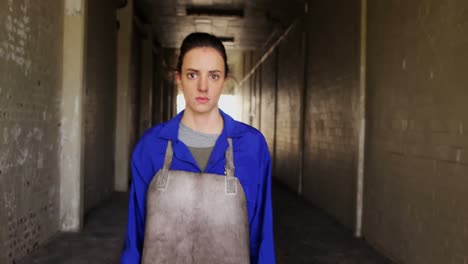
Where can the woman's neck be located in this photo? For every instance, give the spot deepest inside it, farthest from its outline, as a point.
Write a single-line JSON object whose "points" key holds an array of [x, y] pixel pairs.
{"points": [[209, 123]]}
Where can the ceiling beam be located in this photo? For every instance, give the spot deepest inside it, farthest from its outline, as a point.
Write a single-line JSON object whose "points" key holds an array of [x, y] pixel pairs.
{"points": [[214, 10]]}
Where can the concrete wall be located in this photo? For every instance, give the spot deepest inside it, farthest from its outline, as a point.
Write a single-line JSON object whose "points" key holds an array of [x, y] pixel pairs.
{"points": [[290, 81], [134, 91], [331, 124], [305, 100], [30, 88], [416, 207], [157, 103], [164, 88], [100, 101], [268, 100], [125, 97], [146, 76], [245, 91], [169, 86], [256, 85]]}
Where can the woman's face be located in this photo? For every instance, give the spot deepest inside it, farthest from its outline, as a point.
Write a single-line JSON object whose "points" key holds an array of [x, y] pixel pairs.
{"points": [[201, 79]]}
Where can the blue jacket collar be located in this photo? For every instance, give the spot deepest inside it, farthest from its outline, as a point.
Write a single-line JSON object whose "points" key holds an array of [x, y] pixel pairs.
{"points": [[170, 131]]}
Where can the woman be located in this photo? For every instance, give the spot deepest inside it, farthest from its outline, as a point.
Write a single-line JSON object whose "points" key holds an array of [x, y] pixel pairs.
{"points": [[201, 190]]}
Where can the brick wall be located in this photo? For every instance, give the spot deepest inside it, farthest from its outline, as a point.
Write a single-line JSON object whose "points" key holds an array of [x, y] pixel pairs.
{"points": [[246, 89], [268, 100], [307, 100], [30, 83], [256, 85], [416, 207], [163, 83], [288, 119], [169, 86], [331, 125], [100, 101]]}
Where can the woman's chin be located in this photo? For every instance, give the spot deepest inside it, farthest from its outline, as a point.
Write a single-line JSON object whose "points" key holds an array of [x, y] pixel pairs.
{"points": [[202, 109]]}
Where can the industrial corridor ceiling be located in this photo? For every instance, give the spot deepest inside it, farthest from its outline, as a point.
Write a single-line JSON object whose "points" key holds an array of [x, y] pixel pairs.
{"points": [[241, 24]]}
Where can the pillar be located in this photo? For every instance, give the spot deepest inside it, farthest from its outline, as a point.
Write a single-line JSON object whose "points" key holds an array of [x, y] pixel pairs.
{"points": [[146, 89], [123, 119], [72, 112]]}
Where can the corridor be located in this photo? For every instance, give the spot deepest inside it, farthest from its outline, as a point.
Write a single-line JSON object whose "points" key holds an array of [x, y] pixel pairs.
{"points": [[304, 235], [363, 105]]}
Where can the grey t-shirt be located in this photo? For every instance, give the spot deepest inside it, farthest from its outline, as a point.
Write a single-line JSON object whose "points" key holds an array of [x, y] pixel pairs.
{"points": [[200, 144]]}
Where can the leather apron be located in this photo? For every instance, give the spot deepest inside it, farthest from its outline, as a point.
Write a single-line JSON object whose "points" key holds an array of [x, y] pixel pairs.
{"points": [[196, 217]]}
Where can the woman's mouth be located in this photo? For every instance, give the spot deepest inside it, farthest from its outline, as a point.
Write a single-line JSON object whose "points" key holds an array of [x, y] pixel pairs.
{"points": [[202, 99]]}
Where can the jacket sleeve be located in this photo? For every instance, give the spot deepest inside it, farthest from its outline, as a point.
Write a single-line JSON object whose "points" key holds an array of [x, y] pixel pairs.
{"points": [[137, 209], [264, 215]]}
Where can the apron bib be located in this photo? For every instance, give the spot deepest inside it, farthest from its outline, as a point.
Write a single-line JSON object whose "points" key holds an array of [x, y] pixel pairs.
{"points": [[196, 217]]}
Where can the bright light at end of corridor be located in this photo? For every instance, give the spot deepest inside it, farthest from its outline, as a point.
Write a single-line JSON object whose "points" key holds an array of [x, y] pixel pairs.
{"points": [[229, 103]]}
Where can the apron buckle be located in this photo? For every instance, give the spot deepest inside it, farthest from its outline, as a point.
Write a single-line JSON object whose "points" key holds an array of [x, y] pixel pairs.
{"points": [[231, 185], [162, 179]]}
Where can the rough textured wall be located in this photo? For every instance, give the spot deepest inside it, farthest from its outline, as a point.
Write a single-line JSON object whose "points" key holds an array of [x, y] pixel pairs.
{"points": [[288, 119], [268, 100], [30, 83], [256, 91], [416, 205], [332, 95], [157, 116], [100, 100], [246, 89], [125, 125], [146, 76], [169, 85]]}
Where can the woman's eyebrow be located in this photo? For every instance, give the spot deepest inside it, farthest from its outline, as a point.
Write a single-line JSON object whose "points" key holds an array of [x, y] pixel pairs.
{"points": [[197, 71]]}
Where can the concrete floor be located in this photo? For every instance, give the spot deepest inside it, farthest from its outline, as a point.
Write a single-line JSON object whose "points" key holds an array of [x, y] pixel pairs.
{"points": [[303, 235]]}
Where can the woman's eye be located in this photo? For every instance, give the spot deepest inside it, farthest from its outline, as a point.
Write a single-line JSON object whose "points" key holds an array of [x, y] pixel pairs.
{"points": [[191, 75], [214, 76]]}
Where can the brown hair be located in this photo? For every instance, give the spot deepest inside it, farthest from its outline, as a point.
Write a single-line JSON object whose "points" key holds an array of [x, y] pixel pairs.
{"points": [[198, 40]]}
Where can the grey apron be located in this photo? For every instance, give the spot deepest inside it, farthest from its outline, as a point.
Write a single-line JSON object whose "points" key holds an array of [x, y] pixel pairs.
{"points": [[196, 217]]}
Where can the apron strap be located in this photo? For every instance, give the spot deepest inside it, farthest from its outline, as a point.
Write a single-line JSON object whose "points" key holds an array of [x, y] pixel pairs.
{"points": [[162, 178], [229, 167], [168, 157], [231, 181]]}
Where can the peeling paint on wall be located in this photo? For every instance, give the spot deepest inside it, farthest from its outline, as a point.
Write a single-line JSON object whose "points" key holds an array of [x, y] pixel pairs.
{"points": [[4, 165], [40, 160], [24, 155], [16, 132], [30, 66], [5, 135], [17, 28]]}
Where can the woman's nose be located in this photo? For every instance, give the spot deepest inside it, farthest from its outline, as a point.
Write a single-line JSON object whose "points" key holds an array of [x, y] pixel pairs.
{"points": [[203, 84]]}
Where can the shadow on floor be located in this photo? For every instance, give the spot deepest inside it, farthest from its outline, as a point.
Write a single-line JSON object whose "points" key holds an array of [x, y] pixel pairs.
{"points": [[303, 234], [100, 241], [306, 235]]}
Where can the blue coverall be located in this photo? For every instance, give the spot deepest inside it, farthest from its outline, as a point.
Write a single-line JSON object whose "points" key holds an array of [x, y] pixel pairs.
{"points": [[252, 167]]}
